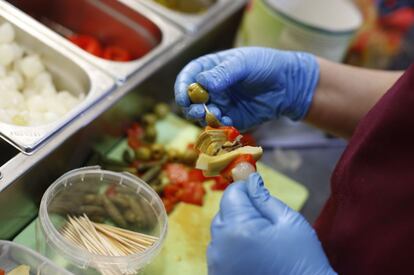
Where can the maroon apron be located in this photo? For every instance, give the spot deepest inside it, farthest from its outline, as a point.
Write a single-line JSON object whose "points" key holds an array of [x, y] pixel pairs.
{"points": [[367, 224]]}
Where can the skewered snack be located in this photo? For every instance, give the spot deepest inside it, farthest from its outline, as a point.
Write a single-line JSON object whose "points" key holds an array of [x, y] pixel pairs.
{"points": [[221, 146]]}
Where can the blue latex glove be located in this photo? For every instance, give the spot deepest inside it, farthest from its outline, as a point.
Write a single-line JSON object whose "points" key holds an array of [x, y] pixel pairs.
{"points": [[250, 85], [255, 233]]}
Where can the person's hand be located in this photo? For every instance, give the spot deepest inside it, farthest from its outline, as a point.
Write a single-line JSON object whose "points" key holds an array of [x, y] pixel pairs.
{"points": [[255, 233], [249, 86]]}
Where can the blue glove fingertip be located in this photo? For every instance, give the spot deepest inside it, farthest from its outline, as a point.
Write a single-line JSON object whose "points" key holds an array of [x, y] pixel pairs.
{"points": [[226, 121], [181, 96], [256, 188], [196, 111]]}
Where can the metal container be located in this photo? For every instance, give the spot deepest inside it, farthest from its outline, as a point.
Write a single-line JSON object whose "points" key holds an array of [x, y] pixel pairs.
{"points": [[191, 22], [69, 73], [137, 30]]}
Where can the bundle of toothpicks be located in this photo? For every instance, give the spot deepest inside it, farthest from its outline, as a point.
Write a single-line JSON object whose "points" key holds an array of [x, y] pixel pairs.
{"points": [[106, 240]]}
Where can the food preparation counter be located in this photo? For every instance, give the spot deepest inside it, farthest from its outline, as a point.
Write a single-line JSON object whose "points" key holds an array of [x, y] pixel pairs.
{"points": [[112, 87]]}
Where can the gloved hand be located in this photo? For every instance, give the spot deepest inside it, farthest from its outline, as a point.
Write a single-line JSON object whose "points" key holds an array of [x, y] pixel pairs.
{"points": [[255, 233], [250, 85]]}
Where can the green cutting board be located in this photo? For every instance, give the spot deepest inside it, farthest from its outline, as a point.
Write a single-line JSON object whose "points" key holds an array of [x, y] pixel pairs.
{"points": [[184, 251]]}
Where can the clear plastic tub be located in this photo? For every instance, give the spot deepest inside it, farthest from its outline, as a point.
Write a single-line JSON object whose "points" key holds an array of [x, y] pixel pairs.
{"points": [[68, 195], [13, 255]]}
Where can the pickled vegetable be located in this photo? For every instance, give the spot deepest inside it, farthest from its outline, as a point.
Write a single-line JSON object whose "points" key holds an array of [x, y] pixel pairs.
{"points": [[157, 151], [149, 119], [29, 96], [197, 94], [150, 134], [161, 110], [113, 212], [143, 153]]}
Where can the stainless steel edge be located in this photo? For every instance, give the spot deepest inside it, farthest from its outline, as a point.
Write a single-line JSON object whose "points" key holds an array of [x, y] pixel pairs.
{"points": [[193, 22], [27, 139], [120, 70]]}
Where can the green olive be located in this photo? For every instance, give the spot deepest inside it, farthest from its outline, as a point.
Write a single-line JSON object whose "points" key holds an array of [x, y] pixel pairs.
{"points": [[189, 157], [173, 155], [157, 151], [150, 134], [161, 110], [197, 94], [142, 153], [129, 215], [149, 119]]}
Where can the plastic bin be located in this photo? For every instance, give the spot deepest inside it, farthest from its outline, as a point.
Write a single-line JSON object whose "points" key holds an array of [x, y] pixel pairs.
{"points": [[12, 255], [66, 196], [321, 27]]}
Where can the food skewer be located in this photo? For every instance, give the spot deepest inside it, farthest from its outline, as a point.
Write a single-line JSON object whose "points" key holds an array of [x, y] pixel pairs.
{"points": [[221, 150]]}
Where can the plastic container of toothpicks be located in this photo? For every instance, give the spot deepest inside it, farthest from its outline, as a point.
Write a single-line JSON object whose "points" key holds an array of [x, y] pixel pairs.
{"points": [[101, 201]]}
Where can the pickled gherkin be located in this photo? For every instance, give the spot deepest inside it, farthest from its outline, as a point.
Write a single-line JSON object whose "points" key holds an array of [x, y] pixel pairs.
{"points": [[187, 6]]}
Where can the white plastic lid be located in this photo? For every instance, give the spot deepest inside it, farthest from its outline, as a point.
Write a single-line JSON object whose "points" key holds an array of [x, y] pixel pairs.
{"points": [[327, 15]]}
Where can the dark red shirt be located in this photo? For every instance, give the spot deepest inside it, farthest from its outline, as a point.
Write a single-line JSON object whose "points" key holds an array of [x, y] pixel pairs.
{"points": [[367, 224]]}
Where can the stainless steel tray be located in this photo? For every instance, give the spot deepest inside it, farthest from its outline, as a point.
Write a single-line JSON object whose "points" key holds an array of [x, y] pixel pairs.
{"points": [[138, 30], [191, 22], [69, 72]]}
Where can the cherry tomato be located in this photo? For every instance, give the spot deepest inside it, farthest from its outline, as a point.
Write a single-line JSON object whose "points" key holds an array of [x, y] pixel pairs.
{"points": [[192, 192], [116, 54], [242, 158], [168, 204], [177, 173], [86, 42], [196, 175]]}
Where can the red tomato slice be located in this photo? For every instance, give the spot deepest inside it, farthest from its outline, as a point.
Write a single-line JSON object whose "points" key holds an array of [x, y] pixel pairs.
{"points": [[248, 140], [171, 192], [177, 173], [116, 54], [192, 192], [196, 175], [220, 184], [168, 204], [135, 133], [87, 42], [2, 272]]}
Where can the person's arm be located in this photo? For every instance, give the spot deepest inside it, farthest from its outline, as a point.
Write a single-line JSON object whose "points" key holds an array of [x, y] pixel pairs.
{"points": [[344, 94]]}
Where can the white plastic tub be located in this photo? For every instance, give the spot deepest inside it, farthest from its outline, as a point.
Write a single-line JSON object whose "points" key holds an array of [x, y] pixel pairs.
{"points": [[321, 27], [67, 194]]}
